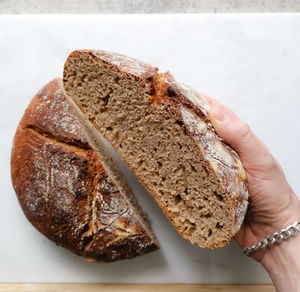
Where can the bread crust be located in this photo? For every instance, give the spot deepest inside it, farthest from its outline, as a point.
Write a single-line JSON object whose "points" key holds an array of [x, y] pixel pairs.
{"points": [[63, 187]]}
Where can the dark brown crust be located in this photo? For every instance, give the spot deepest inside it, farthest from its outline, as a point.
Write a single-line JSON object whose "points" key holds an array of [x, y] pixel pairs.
{"points": [[164, 89], [50, 112], [63, 188]]}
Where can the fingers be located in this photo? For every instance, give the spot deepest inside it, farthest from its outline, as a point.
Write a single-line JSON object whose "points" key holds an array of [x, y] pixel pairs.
{"points": [[253, 153]]}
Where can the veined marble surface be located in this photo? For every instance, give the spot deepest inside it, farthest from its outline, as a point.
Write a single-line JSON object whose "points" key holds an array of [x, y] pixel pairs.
{"points": [[249, 62]]}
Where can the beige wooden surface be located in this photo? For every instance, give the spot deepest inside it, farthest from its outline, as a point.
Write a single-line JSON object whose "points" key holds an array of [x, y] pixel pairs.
{"points": [[9, 287]]}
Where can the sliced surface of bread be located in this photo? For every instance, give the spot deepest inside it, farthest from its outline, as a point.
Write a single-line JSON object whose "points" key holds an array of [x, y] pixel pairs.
{"points": [[161, 129], [69, 187]]}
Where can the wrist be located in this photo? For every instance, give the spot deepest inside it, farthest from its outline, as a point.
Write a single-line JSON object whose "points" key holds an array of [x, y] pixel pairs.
{"points": [[281, 221], [270, 256], [282, 262]]}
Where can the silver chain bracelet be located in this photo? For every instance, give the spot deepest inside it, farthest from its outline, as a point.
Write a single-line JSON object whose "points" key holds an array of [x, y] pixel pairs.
{"points": [[277, 237]]}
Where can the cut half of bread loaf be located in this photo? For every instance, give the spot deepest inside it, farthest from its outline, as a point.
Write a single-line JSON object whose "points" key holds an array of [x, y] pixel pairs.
{"points": [[161, 129], [68, 185]]}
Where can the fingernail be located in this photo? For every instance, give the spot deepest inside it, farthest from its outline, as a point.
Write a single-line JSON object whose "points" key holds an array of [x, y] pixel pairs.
{"points": [[221, 114]]}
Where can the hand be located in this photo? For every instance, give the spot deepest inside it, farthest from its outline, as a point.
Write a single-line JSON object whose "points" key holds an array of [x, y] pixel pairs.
{"points": [[273, 204]]}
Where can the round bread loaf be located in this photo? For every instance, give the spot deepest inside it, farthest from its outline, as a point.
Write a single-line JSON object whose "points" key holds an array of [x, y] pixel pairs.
{"points": [[68, 186], [161, 129]]}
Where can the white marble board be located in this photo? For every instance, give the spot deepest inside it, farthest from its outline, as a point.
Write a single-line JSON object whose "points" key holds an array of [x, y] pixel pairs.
{"points": [[249, 62]]}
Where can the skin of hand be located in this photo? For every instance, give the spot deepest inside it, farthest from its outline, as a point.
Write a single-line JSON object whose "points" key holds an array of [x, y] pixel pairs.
{"points": [[273, 204]]}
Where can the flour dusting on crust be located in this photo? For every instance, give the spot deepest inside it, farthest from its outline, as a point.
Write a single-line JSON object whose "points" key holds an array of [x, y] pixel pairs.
{"points": [[194, 97], [126, 64]]}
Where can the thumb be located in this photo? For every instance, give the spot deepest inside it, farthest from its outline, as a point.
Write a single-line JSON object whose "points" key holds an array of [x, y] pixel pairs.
{"points": [[239, 136]]}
